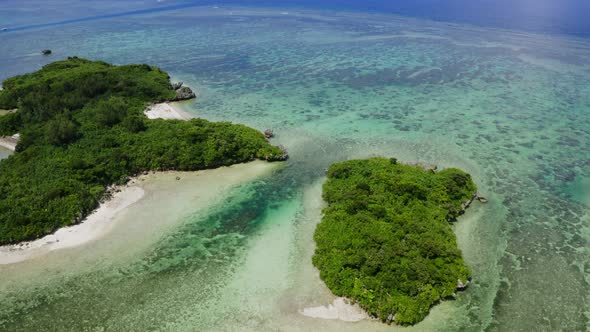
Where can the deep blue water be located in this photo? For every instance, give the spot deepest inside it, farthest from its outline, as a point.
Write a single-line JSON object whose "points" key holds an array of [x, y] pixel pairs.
{"points": [[542, 16], [567, 17]]}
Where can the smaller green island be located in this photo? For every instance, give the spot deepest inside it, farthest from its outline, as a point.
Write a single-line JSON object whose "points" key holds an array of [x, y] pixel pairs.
{"points": [[82, 129], [386, 241]]}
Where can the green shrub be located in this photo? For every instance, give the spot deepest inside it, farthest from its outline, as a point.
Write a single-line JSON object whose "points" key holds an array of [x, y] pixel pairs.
{"points": [[62, 130], [385, 240], [82, 129]]}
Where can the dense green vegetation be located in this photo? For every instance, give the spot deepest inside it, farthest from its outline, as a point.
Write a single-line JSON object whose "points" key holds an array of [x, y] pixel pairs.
{"points": [[82, 129], [386, 240]]}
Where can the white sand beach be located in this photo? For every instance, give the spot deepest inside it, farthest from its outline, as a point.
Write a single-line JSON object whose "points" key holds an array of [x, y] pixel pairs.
{"points": [[167, 111], [9, 142], [202, 189], [93, 227], [339, 309], [207, 186]]}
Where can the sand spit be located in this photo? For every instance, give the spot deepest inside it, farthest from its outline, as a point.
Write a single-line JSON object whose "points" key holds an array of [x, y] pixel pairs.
{"points": [[207, 186], [339, 309], [167, 111], [93, 227]]}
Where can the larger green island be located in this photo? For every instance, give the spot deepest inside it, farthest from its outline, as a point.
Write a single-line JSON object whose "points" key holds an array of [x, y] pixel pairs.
{"points": [[386, 241], [82, 129]]}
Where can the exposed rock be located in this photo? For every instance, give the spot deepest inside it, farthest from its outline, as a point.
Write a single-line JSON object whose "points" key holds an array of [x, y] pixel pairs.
{"points": [[390, 318], [481, 199], [269, 133], [426, 167], [465, 205], [184, 93], [431, 168], [176, 86], [46, 52], [282, 157], [475, 196], [462, 286]]}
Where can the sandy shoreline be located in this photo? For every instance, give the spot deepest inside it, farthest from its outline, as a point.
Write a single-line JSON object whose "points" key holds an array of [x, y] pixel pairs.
{"points": [[210, 184], [167, 111], [9, 142], [100, 222], [339, 309], [93, 227]]}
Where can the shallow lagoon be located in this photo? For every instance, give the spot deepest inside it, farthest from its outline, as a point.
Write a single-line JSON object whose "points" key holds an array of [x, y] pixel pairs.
{"points": [[513, 109]]}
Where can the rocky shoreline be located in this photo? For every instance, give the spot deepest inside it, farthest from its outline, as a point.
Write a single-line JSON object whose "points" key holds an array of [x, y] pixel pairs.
{"points": [[182, 92]]}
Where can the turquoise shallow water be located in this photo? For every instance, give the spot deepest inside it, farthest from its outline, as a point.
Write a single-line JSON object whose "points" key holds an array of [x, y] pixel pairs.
{"points": [[511, 108]]}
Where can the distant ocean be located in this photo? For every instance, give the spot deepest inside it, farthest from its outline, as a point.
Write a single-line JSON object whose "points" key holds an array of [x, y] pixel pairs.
{"points": [[541, 16], [564, 17]]}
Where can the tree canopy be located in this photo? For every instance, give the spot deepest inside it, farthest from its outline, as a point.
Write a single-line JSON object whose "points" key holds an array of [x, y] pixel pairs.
{"points": [[386, 241], [82, 129]]}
